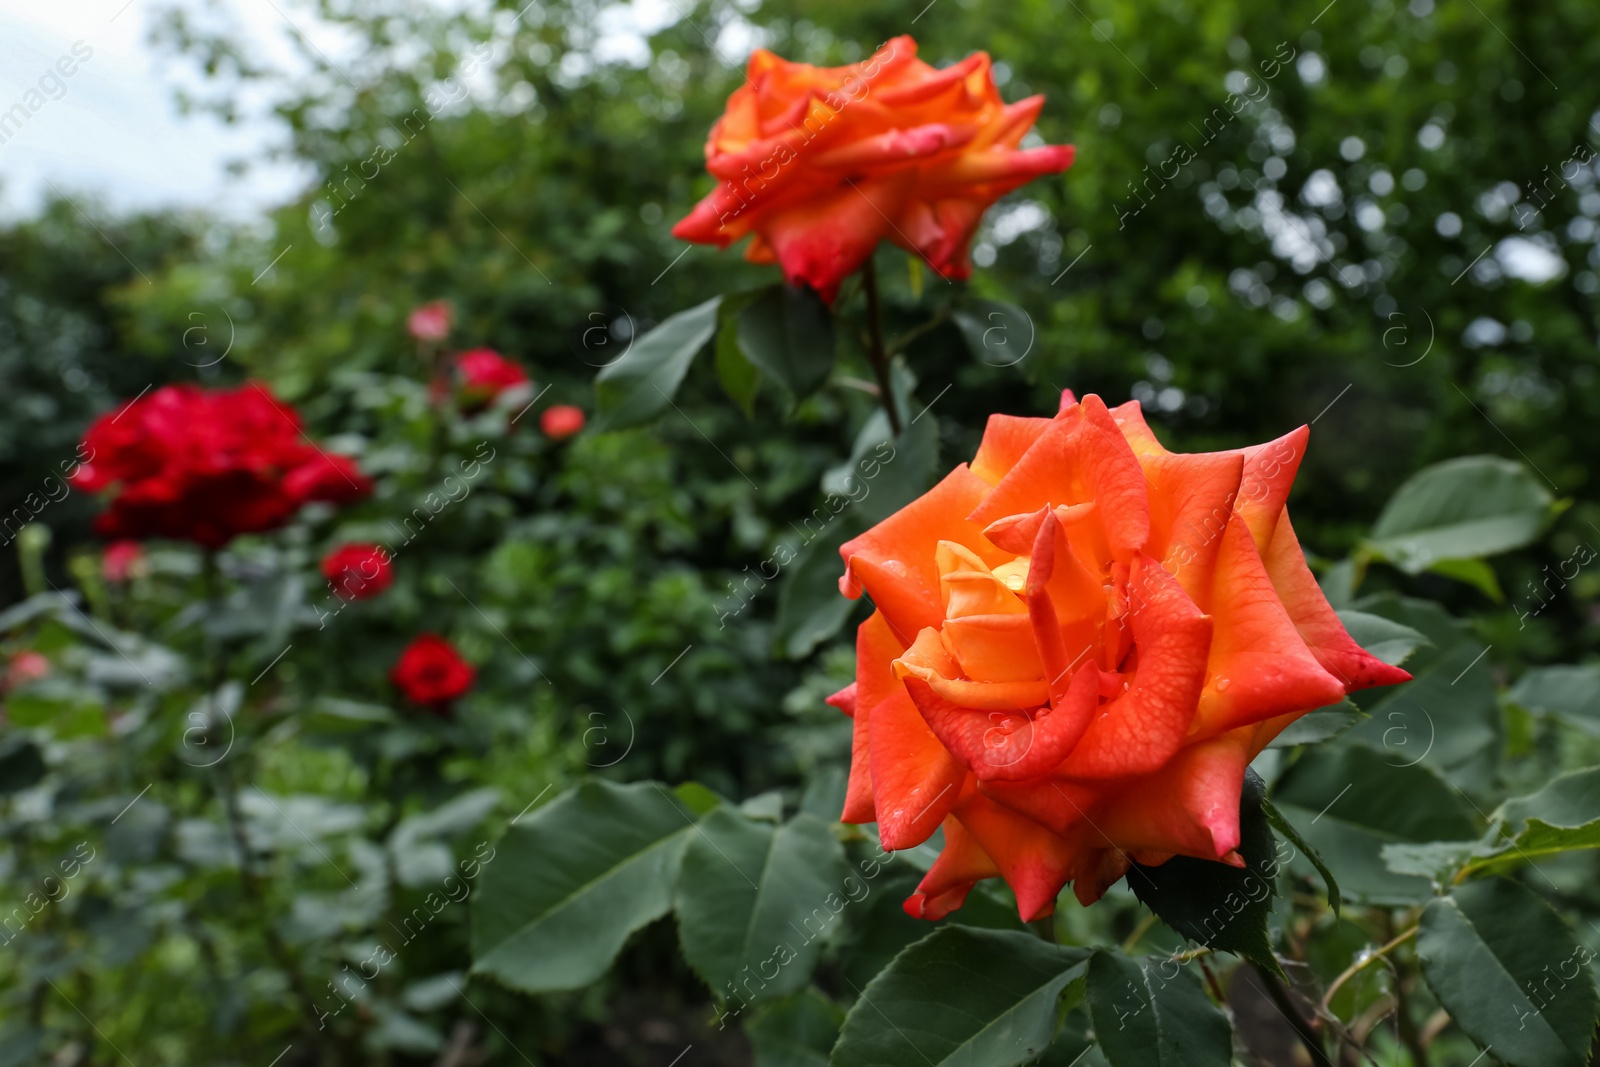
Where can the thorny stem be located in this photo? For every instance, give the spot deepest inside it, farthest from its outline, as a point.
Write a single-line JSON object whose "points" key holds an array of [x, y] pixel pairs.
{"points": [[875, 351], [253, 890], [1404, 1023], [1280, 997], [235, 818], [1211, 981], [1408, 1026]]}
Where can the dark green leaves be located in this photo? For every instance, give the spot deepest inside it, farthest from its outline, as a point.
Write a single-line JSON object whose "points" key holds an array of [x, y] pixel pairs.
{"points": [[997, 333], [1348, 803], [1278, 822], [1153, 1013], [1448, 715], [569, 883], [639, 385], [740, 378], [572, 880], [1570, 693], [882, 475], [795, 1032], [787, 333], [755, 902], [1214, 904], [1391, 641], [1562, 817], [961, 996], [810, 607], [21, 764], [1510, 972], [1461, 509]]}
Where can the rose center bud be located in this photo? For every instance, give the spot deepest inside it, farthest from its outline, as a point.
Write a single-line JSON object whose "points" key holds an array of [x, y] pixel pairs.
{"points": [[1031, 649]]}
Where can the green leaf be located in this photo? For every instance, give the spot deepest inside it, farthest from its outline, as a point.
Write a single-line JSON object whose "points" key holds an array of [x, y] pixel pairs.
{"points": [[570, 881], [881, 929], [640, 383], [1474, 572], [1350, 802], [699, 798], [997, 333], [1437, 861], [1211, 903], [1564, 816], [1448, 716], [740, 378], [1570, 693], [1323, 724], [336, 715], [68, 710], [796, 1032], [1339, 581], [787, 332], [21, 764], [1153, 1013], [810, 607], [1462, 508], [1276, 819], [1510, 972], [885, 473], [1390, 641], [882, 475], [961, 996], [754, 898]]}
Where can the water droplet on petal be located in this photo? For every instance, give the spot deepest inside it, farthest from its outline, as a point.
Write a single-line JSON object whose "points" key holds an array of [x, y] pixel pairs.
{"points": [[1222, 685]]}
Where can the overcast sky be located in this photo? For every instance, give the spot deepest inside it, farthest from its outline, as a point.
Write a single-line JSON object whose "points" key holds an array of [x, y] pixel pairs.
{"points": [[111, 129]]}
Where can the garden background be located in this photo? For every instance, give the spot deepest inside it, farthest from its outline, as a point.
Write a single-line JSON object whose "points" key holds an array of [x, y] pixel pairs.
{"points": [[1376, 218]]}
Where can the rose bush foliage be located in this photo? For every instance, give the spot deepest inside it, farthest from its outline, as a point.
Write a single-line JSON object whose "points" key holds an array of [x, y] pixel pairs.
{"points": [[583, 584]]}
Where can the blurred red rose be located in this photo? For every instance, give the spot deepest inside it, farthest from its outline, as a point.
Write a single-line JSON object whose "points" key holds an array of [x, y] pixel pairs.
{"points": [[26, 666], [329, 479], [431, 321], [121, 560], [482, 374], [432, 673], [358, 571], [207, 465], [822, 163], [561, 421]]}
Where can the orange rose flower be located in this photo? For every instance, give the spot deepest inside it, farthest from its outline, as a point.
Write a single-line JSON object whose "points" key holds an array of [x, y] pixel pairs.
{"points": [[1081, 641], [821, 163]]}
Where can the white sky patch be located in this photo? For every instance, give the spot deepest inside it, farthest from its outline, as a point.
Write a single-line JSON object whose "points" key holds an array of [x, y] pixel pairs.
{"points": [[1013, 221], [116, 134], [738, 38], [1301, 240], [1531, 260], [1321, 189]]}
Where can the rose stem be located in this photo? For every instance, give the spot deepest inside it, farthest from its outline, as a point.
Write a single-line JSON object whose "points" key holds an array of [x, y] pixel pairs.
{"points": [[248, 878], [875, 353], [1291, 1012], [1405, 1025]]}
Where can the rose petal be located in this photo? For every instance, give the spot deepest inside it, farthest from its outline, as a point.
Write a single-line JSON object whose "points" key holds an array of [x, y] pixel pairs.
{"points": [[1260, 666]]}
